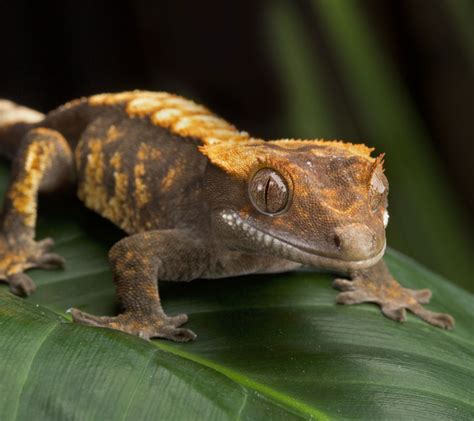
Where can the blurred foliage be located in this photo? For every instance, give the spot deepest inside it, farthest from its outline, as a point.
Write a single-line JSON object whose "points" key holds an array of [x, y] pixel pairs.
{"points": [[462, 12], [426, 221]]}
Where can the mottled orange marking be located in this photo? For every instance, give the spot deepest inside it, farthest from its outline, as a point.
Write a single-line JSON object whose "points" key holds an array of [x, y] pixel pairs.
{"points": [[323, 146], [121, 184], [179, 115], [148, 152], [111, 99], [92, 190], [14, 261], [23, 191], [238, 158], [235, 158], [166, 117], [188, 119], [142, 195], [112, 134], [116, 161], [144, 105], [118, 208], [168, 179]]}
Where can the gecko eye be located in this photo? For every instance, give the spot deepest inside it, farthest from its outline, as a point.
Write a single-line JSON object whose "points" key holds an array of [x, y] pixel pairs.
{"points": [[268, 191]]}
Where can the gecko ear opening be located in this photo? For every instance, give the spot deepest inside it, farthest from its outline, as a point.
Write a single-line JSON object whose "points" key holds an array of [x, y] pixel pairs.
{"points": [[377, 183]]}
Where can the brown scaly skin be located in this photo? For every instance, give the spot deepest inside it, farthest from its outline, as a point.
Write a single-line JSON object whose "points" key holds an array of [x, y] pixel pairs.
{"points": [[197, 198]]}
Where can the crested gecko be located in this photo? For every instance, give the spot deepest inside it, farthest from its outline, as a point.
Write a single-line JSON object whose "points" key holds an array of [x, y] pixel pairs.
{"points": [[196, 198]]}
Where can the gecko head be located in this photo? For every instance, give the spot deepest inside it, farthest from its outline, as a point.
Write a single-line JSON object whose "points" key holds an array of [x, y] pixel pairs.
{"points": [[313, 202]]}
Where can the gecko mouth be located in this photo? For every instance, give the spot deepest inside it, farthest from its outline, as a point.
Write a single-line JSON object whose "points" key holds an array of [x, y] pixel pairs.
{"points": [[286, 250]]}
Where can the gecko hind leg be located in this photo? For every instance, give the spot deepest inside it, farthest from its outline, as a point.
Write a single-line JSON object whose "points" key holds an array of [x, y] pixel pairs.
{"points": [[376, 285], [43, 163]]}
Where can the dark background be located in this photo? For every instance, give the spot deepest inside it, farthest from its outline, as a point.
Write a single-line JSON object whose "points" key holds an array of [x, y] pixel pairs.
{"points": [[398, 75]]}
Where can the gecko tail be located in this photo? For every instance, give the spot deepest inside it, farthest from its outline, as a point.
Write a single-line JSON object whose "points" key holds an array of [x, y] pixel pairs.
{"points": [[15, 121]]}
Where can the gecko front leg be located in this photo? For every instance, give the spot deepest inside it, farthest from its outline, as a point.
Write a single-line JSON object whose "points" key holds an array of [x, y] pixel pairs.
{"points": [[376, 285], [138, 262]]}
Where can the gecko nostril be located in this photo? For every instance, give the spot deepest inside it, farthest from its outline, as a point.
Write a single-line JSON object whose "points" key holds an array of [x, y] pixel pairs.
{"points": [[354, 241]]}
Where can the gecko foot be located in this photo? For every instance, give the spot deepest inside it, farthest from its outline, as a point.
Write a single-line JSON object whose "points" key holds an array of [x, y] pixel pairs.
{"points": [[392, 298], [17, 256], [145, 326]]}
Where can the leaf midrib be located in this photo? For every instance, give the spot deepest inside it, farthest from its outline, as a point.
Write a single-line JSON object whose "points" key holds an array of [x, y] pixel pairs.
{"points": [[247, 382]]}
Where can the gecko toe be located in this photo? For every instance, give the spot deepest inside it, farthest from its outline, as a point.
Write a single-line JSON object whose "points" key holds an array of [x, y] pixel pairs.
{"points": [[50, 261], [83, 318], [178, 334], [395, 313], [353, 297], [45, 244], [343, 284], [21, 284], [442, 320], [423, 296], [178, 320]]}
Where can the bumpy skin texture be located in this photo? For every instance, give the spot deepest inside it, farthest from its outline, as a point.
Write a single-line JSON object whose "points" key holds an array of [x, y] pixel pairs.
{"points": [[197, 198]]}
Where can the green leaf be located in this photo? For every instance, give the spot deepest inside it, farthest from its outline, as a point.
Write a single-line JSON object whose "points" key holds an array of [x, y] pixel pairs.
{"points": [[268, 347]]}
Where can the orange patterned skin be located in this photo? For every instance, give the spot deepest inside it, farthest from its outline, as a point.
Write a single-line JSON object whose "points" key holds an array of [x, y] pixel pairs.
{"points": [[197, 198]]}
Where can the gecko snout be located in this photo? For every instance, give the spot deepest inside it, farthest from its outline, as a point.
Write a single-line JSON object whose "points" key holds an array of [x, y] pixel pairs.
{"points": [[355, 242]]}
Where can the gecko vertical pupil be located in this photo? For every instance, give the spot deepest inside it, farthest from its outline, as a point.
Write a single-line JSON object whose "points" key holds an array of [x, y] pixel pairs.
{"points": [[268, 191]]}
